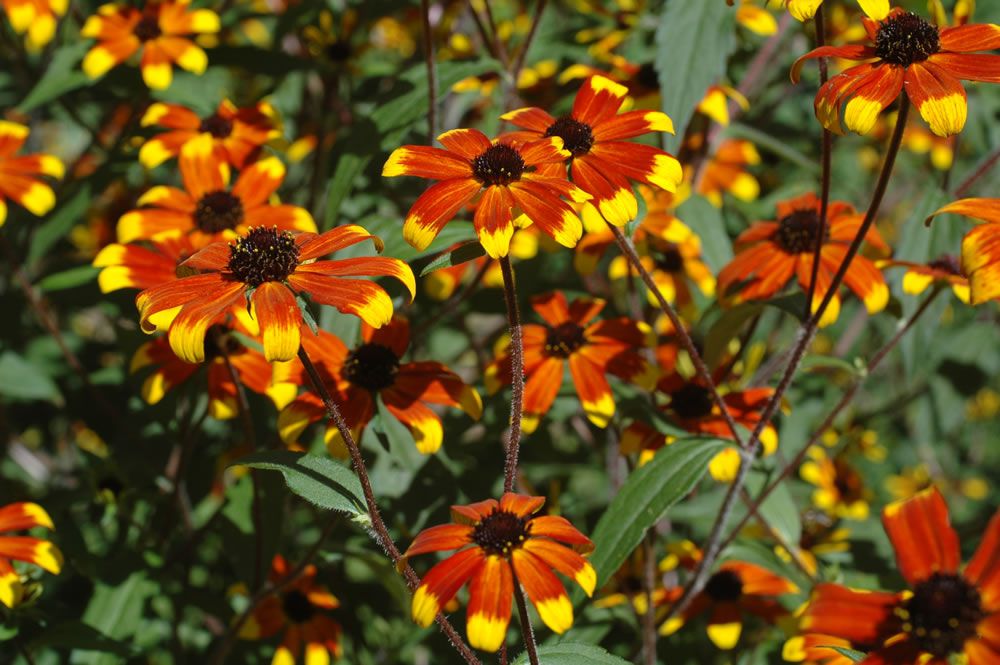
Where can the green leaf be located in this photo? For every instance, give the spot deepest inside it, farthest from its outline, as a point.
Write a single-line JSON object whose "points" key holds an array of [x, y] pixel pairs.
{"points": [[116, 611], [319, 480], [468, 251], [773, 144], [725, 328], [61, 76], [779, 509], [22, 381], [706, 220], [693, 42], [645, 497], [78, 635], [856, 656], [568, 653], [69, 279]]}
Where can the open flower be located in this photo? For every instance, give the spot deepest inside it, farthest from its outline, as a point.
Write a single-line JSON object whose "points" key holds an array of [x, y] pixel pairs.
{"points": [[42, 553], [944, 270], [161, 30], [35, 18], [912, 55], [19, 176], [840, 489], [269, 270], [374, 369], [980, 250], [501, 544], [593, 349], [601, 163], [771, 253], [948, 613], [726, 171]]}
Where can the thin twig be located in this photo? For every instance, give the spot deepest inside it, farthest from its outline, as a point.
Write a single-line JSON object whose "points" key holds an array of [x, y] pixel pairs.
{"points": [[431, 72], [981, 170], [526, 631], [516, 351], [826, 158]]}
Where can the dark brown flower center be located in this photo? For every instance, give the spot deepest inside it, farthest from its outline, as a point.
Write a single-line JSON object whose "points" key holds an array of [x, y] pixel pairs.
{"points": [[848, 481], [816, 526], [500, 532], [297, 607], [577, 136], [338, 51], [564, 339], [372, 367], [946, 263], [691, 401], [797, 232], [724, 586], [501, 164], [218, 211], [669, 259], [147, 28], [217, 126], [263, 255], [942, 614], [906, 39], [647, 76], [220, 344]]}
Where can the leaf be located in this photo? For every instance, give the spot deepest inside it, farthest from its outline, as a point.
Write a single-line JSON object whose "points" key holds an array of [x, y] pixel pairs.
{"points": [[779, 509], [707, 222], [116, 611], [61, 76], [468, 251], [69, 279], [773, 144], [725, 328], [645, 497], [693, 42], [855, 656], [319, 480], [568, 653], [22, 381], [78, 635]]}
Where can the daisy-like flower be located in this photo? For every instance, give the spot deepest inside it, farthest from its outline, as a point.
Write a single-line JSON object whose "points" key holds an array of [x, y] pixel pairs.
{"points": [[301, 609], [945, 269], [771, 253], [42, 553], [601, 163], [207, 206], [593, 349], [726, 171], [20, 176], [374, 369], [269, 269], [237, 133], [162, 31], [35, 18], [500, 544], [948, 615], [980, 250], [912, 55], [508, 176], [675, 265], [803, 10], [840, 489]]}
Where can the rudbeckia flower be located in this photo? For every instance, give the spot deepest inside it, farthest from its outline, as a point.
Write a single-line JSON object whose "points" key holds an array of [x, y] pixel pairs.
{"points": [[19, 176], [804, 10], [269, 269], [770, 253], [237, 133], [909, 55], [507, 175], [948, 615], [35, 18], [161, 30], [980, 250], [301, 609], [726, 171], [207, 206], [374, 369], [501, 544], [840, 489], [943, 270], [593, 349], [601, 163], [42, 553]]}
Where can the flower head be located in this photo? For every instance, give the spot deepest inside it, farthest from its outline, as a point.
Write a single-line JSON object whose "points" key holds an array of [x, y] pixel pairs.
{"points": [[20, 176], [944, 270], [980, 252], [840, 489], [727, 171], [35, 18], [42, 553]]}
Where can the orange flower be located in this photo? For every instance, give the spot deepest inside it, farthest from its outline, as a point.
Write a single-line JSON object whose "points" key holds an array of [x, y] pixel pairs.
{"points": [[269, 270], [19, 176], [726, 171], [909, 54], [502, 544], [36, 18], [947, 614], [772, 252], [374, 369], [944, 269], [42, 553], [980, 250], [206, 207], [300, 608], [237, 134], [508, 175], [593, 349], [601, 163], [161, 30]]}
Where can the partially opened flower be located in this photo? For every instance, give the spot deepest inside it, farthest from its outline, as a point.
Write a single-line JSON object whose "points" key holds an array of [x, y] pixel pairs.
{"points": [[42, 553], [500, 544], [20, 177], [35, 18], [374, 369], [980, 249], [593, 349], [269, 269], [162, 31], [944, 270], [908, 55], [601, 162]]}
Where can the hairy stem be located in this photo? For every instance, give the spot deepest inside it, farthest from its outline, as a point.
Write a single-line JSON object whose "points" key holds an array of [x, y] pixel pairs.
{"points": [[516, 351], [826, 159]]}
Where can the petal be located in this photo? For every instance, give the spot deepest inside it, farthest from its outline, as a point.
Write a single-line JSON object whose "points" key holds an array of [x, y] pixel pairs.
{"points": [[566, 561], [367, 266], [552, 307], [871, 97], [529, 118], [259, 181], [984, 567], [520, 504], [922, 536], [277, 312], [544, 590], [32, 550], [548, 150], [426, 162], [598, 99], [336, 239], [851, 52], [187, 332], [559, 528], [611, 193], [857, 616], [725, 625], [474, 512], [23, 515], [442, 582], [968, 66], [593, 389], [494, 221], [641, 162], [491, 594], [440, 538], [359, 297], [424, 424], [987, 210], [201, 168], [435, 208], [551, 214], [939, 97], [540, 391], [981, 261], [633, 123], [970, 38], [467, 143]]}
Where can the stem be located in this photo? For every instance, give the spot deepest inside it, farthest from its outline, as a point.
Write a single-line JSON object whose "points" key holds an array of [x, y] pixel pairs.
{"points": [[648, 585], [492, 43], [516, 351], [826, 166], [526, 631], [981, 170], [431, 73]]}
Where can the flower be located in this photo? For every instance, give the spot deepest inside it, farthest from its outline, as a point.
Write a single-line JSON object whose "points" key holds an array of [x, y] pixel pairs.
{"points": [[237, 133], [508, 175], [947, 612], [727, 171], [627, 586], [755, 19], [593, 349], [501, 544], [161, 30], [770, 253], [908, 54], [36, 18], [804, 10], [268, 269], [675, 265], [19, 176], [840, 489], [821, 535], [206, 207], [943, 270], [375, 369], [600, 162], [300, 608], [715, 103], [980, 251], [42, 553]]}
